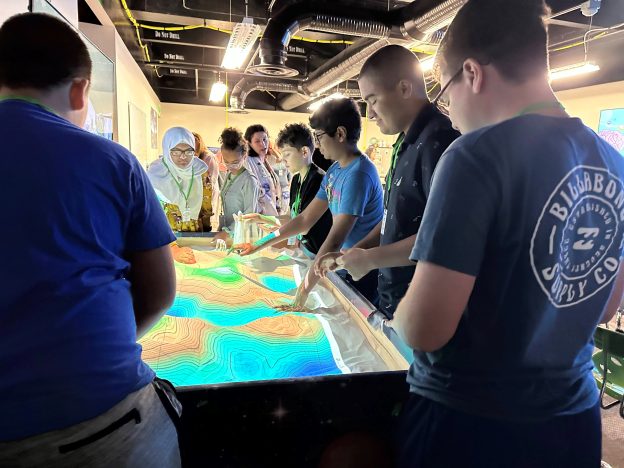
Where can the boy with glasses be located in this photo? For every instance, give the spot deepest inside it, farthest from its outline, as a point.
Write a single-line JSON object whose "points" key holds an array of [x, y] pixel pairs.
{"points": [[519, 258], [392, 84], [351, 189]]}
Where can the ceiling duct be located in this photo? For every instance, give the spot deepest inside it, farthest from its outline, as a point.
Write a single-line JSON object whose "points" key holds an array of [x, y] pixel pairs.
{"points": [[343, 66], [248, 84], [409, 23]]}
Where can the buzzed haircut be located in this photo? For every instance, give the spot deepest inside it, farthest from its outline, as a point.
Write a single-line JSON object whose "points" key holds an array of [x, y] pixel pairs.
{"points": [[40, 51], [392, 64], [296, 135], [511, 35]]}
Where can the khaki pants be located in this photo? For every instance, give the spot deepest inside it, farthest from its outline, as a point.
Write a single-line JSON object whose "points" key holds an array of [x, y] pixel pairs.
{"points": [[137, 432]]}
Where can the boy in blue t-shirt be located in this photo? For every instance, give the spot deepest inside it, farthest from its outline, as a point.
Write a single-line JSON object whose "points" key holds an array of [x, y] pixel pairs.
{"points": [[86, 265], [519, 258], [351, 189]]}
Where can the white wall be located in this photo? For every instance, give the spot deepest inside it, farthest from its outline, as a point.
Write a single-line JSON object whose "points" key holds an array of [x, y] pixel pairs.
{"points": [[133, 87], [132, 90], [67, 8], [586, 103], [9, 8], [209, 121]]}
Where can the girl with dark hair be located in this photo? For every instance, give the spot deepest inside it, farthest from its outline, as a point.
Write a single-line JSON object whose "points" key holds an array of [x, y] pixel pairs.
{"points": [[240, 190], [257, 139]]}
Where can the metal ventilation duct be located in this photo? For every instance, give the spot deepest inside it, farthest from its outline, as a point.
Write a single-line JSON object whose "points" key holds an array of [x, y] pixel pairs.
{"points": [[408, 23], [343, 66], [248, 84]]}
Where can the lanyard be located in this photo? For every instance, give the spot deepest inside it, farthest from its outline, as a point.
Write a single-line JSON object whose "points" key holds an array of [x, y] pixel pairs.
{"points": [[538, 106], [229, 181], [188, 193], [297, 203], [29, 100], [390, 174]]}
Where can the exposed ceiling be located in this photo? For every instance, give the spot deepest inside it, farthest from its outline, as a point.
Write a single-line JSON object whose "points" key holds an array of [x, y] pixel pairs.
{"points": [[182, 65]]}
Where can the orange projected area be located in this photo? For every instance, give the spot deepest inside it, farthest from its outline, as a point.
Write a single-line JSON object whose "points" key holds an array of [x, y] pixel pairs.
{"points": [[223, 326]]}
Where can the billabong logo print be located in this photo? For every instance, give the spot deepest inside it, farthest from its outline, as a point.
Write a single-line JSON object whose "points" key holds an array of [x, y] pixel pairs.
{"points": [[579, 236]]}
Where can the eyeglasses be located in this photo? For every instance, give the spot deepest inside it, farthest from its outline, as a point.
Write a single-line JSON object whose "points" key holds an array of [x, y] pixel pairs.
{"points": [[178, 153], [317, 137], [441, 99], [234, 165]]}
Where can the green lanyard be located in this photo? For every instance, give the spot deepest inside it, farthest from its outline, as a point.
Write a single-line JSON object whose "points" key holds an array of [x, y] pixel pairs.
{"points": [[29, 100], [538, 106], [229, 181], [188, 193], [390, 174], [297, 203]]}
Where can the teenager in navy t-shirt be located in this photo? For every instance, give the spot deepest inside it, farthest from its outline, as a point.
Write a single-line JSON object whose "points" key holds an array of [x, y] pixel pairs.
{"points": [[86, 267], [351, 189], [519, 256]]}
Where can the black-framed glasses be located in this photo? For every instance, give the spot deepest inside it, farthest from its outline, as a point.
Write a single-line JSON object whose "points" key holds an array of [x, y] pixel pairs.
{"points": [[317, 137], [178, 153], [441, 99]]}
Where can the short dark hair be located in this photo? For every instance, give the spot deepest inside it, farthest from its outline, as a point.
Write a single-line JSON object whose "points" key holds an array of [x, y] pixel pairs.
{"points": [[296, 135], [232, 139], [511, 35], [392, 64], [40, 51], [338, 113]]}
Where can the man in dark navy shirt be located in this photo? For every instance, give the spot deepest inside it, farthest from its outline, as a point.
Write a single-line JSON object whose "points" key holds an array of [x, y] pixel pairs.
{"points": [[519, 258], [392, 84]]}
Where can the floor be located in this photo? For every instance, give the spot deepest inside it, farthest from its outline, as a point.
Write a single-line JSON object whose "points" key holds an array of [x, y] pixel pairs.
{"points": [[612, 436]]}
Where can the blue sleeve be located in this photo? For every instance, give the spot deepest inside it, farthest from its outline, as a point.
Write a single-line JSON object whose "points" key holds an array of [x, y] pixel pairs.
{"points": [[460, 213], [148, 227], [354, 194], [322, 193]]}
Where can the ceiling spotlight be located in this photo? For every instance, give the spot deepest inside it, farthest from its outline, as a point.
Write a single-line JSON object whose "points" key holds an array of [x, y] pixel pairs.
{"points": [[217, 92]]}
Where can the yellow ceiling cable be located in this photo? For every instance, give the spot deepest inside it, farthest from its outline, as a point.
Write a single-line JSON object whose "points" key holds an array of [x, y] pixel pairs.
{"points": [[124, 5], [138, 25], [580, 43]]}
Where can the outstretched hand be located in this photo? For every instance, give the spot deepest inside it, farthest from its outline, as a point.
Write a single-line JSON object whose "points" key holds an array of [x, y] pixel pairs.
{"points": [[244, 249], [327, 263], [183, 254]]}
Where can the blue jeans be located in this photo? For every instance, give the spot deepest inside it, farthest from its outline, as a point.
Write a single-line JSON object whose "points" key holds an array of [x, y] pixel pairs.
{"points": [[433, 435]]}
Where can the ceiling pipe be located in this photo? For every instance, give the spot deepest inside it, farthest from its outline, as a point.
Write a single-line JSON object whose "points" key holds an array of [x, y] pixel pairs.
{"points": [[248, 84], [340, 68], [409, 23]]}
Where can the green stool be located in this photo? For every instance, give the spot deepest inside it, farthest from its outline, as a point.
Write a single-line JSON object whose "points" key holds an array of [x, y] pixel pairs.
{"points": [[609, 366]]}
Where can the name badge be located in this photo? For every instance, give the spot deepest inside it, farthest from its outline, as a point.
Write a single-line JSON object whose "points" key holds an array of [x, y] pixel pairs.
{"points": [[186, 215], [383, 222]]}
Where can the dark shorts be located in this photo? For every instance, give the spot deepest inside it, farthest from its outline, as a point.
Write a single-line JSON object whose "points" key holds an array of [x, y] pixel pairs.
{"points": [[434, 435]]}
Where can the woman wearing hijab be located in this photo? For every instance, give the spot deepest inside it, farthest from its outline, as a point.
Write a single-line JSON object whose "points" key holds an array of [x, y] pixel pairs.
{"points": [[179, 182], [270, 193]]}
